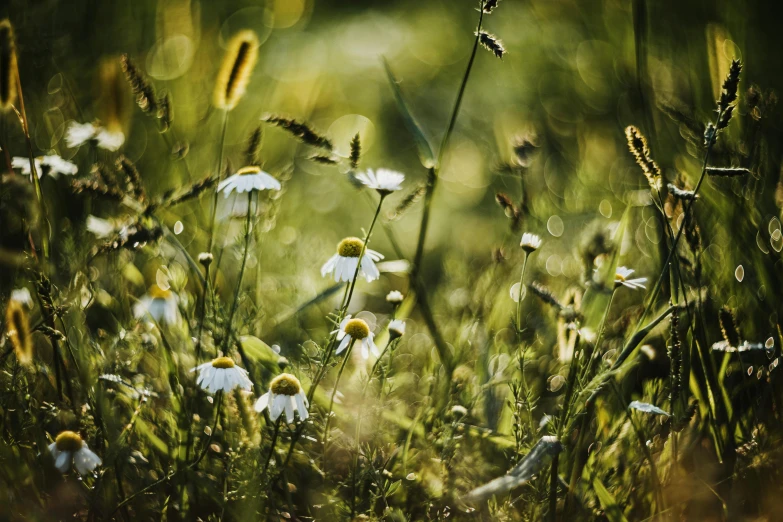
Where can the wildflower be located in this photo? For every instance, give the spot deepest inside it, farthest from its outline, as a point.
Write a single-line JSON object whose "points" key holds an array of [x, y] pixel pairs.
{"points": [[343, 264], [103, 228], [530, 242], [247, 179], [621, 279], [23, 296], [285, 395], [394, 297], [80, 133], [205, 258], [491, 43], [222, 374], [53, 165], [383, 180], [356, 330], [235, 71], [17, 327], [160, 304], [396, 329], [68, 449]]}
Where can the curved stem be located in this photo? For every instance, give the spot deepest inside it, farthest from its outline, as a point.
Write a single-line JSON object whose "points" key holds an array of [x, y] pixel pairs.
{"points": [[519, 297], [334, 390], [220, 178], [235, 304]]}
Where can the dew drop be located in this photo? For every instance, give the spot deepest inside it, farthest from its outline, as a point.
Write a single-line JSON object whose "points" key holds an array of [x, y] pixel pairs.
{"points": [[514, 293], [410, 476], [555, 226], [750, 371], [556, 382], [178, 227], [739, 273], [770, 343]]}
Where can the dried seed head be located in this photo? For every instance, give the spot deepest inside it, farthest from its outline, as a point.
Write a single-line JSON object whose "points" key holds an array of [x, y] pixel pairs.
{"points": [[728, 327], [545, 294], [165, 113], [524, 148], [324, 159], [17, 328], [8, 66], [491, 43], [285, 384], [235, 71], [356, 151], [729, 93], [142, 89], [408, 201], [727, 172], [300, 130], [489, 5], [637, 144], [253, 150], [685, 195]]}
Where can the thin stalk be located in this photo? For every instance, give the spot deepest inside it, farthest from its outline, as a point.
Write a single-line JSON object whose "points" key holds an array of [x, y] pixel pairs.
{"points": [[519, 297], [348, 353], [235, 304], [271, 448], [220, 178]]}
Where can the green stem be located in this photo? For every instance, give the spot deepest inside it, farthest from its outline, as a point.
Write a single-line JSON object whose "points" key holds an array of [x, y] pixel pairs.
{"points": [[334, 391], [519, 297], [235, 303], [213, 216]]}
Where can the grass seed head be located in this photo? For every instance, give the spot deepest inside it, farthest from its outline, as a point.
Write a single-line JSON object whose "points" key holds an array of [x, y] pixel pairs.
{"points": [[235, 71]]}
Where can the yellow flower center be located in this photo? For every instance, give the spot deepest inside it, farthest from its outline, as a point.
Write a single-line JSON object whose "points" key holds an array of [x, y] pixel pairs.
{"points": [[68, 441], [157, 292], [357, 329], [223, 363], [350, 247], [619, 278], [285, 384], [246, 171]]}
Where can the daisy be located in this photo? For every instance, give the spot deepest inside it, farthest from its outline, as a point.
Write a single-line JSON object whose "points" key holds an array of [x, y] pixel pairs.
{"points": [[68, 449], [247, 179], [160, 304], [394, 297], [356, 330], [343, 263], [53, 165], [222, 374], [396, 328], [621, 279], [285, 395], [530, 242], [383, 180], [22, 295], [80, 133]]}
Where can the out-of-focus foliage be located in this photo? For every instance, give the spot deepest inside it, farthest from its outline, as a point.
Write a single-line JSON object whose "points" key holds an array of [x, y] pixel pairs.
{"points": [[477, 386]]}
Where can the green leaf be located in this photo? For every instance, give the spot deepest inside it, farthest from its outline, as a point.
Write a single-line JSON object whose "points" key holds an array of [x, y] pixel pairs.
{"points": [[426, 155], [608, 503]]}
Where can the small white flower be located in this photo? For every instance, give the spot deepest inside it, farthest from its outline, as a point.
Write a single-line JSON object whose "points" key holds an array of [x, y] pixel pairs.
{"points": [[396, 328], [383, 180], [103, 228], [158, 303], [285, 395], [222, 374], [356, 330], [621, 278], [247, 179], [53, 165], [68, 449], [343, 263], [22, 295], [80, 133], [394, 297], [530, 242]]}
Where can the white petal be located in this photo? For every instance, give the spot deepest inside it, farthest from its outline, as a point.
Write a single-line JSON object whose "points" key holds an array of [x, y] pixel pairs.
{"points": [[301, 405], [85, 460], [278, 405], [343, 344], [290, 404], [63, 461], [262, 403]]}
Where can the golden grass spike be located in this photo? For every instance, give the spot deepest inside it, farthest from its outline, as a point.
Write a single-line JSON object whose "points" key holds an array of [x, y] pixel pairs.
{"points": [[7, 65], [235, 71], [18, 331]]}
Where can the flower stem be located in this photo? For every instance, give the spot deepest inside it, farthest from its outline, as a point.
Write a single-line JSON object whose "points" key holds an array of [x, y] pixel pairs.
{"points": [[235, 304], [334, 390], [213, 215], [519, 297]]}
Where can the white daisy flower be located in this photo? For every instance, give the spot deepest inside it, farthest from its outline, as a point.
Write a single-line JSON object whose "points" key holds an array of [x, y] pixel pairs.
{"points": [[356, 330], [222, 374], [396, 328], [68, 449], [383, 180], [285, 395], [394, 297], [247, 179], [530, 242], [80, 133], [621, 279], [53, 165], [343, 263], [158, 303]]}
